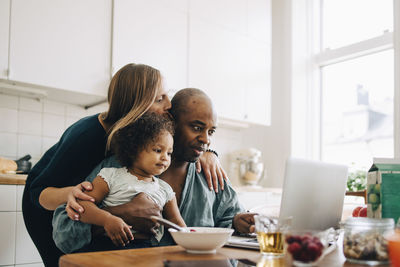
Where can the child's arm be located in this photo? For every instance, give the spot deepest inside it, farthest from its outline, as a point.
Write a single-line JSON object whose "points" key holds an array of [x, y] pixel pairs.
{"points": [[118, 231], [171, 212]]}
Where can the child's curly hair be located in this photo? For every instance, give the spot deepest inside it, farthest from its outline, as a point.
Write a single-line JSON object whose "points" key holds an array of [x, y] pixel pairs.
{"points": [[130, 140]]}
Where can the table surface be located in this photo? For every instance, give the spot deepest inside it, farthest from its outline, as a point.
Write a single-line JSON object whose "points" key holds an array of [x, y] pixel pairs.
{"points": [[157, 256]]}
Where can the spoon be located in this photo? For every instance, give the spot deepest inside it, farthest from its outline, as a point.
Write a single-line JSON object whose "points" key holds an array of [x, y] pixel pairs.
{"points": [[168, 223]]}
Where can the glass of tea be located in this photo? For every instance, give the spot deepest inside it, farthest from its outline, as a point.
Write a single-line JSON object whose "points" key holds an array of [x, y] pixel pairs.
{"points": [[270, 234]]}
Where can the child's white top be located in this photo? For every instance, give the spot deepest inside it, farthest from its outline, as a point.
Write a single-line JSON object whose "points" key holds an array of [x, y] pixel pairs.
{"points": [[123, 186]]}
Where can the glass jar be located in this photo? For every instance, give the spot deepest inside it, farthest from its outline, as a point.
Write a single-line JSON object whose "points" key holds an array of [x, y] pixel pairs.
{"points": [[364, 241]]}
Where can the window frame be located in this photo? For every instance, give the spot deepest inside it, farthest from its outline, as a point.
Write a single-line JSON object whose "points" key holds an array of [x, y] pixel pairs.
{"points": [[306, 18]]}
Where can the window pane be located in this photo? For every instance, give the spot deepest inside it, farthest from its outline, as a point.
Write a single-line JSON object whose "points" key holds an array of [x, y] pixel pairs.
{"points": [[357, 110], [349, 21]]}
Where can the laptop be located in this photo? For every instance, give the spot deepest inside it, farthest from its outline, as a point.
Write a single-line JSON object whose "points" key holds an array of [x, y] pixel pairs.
{"points": [[313, 194]]}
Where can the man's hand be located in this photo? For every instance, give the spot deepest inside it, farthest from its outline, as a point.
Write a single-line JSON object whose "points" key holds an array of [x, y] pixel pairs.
{"points": [[212, 170], [118, 231], [244, 222], [137, 213], [77, 192]]}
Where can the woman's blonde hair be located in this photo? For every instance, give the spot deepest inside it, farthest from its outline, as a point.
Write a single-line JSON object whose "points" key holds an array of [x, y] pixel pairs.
{"points": [[131, 92]]}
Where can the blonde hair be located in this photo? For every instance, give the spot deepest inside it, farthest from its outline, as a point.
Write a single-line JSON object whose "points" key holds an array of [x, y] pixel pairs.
{"points": [[131, 92]]}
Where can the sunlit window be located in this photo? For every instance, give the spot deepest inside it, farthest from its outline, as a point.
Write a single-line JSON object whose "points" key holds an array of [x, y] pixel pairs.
{"points": [[350, 21], [357, 86], [357, 110]]}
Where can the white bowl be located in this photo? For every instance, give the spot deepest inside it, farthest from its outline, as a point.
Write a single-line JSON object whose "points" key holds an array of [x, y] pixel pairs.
{"points": [[203, 240]]}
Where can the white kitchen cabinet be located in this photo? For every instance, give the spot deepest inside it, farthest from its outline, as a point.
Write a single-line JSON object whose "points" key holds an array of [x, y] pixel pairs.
{"points": [[25, 250], [8, 198], [228, 14], [16, 246], [20, 192], [7, 237], [4, 33], [154, 33], [259, 20], [30, 265], [258, 91], [229, 56], [217, 65], [61, 44]]}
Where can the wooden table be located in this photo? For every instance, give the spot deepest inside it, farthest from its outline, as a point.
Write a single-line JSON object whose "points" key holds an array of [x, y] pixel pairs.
{"points": [[156, 257]]}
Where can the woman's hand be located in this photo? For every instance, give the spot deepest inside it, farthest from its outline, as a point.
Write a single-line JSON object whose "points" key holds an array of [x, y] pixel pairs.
{"points": [[77, 192], [118, 231], [212, 169]]}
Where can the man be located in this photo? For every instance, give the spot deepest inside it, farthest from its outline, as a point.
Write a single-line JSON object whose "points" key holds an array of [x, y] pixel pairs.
{"points": [[195, 123]]}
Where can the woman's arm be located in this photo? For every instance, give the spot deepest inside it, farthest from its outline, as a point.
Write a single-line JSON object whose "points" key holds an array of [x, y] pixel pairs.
{"points": [[52, 197], [118, 231], [212, 169], [171, 212]]}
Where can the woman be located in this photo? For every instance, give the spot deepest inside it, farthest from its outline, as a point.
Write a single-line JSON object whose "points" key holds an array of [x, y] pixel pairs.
{"points": [[134, 90]]}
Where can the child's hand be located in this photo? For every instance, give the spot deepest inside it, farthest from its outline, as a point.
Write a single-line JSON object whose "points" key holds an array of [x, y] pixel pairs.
{"points": [[118, 231]]}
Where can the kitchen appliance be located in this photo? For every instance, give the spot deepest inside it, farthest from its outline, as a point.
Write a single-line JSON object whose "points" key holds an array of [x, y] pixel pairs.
{"points": [[24, 165], [250, 167]]}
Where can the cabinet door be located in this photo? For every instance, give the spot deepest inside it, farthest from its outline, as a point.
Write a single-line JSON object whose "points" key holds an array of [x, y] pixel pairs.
{"points": [[217, 65], [25, 251], [259, 20], [7, 237], [8, 198], [63, 44], [152, 32], [228, 14], [258, 93], [4, 33], [229, 56], [20, 193]]}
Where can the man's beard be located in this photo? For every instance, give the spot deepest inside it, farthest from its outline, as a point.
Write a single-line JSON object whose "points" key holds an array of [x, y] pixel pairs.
{"points": [[184, 156]]}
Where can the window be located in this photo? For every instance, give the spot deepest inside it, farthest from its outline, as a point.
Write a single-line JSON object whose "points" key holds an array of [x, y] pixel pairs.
{"points": [[345, 22], [357, 109], [355, 67], [345, 74]]}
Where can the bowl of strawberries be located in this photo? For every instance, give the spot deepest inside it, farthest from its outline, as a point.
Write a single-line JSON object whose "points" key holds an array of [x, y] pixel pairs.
{"points": [[305, 247]]}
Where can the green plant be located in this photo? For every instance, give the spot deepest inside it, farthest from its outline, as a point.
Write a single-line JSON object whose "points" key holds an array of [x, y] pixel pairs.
{"points": [[357, 180]]}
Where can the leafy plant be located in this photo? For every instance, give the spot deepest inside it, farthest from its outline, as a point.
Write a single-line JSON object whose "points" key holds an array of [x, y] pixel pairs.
{"points": [[357, 180]]}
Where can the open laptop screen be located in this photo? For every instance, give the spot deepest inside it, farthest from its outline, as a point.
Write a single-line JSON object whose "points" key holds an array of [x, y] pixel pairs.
{"points": [[313, 193]]}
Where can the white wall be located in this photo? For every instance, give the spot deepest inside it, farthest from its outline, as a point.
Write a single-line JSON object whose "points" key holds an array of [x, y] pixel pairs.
{"points": [[29, 126]]}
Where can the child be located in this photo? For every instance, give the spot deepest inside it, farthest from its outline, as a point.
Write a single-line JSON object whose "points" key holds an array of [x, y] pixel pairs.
{"points": [[144, 148]]}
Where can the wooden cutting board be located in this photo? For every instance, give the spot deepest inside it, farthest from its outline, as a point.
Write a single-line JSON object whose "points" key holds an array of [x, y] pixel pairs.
{"points": [[14, 179]]}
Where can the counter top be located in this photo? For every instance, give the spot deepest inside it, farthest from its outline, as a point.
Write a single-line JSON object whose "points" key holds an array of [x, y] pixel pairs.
{"points": [[248, 188], [13, 179]]}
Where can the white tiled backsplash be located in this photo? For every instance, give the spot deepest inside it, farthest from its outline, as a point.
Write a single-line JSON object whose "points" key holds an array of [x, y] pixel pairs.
{"points": [[30, 126]]}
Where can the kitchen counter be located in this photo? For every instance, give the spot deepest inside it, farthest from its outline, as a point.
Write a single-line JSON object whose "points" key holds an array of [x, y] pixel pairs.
{"points": [[13, 179]]}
